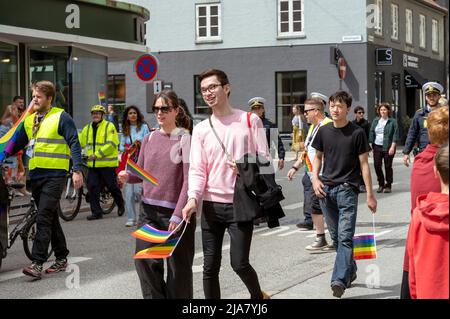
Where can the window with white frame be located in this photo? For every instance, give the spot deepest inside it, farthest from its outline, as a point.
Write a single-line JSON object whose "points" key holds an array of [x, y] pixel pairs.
{"points": [[435, 35], [290, 18], [409, 26], [394, 21], [208, 22], [379, 15], [422, 31]]}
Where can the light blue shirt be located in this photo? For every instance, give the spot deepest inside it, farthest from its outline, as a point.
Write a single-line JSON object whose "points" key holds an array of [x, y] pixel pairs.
{"points": [[135, 135]]}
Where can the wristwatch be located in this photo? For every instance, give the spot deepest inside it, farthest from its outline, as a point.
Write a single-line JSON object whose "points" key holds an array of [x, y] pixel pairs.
{"points": [[296, 168]]}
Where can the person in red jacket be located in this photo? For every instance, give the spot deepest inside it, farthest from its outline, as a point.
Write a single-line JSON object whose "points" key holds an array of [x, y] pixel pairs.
{"points": [[422, 179], [428, 238]]}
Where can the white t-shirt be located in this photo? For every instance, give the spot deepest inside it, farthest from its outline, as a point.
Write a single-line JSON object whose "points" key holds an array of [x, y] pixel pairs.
{"points": [[379, 131]]}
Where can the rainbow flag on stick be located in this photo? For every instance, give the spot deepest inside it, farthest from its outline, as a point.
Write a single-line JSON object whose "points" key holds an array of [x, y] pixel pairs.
{"points": [[163, 250], [153, 235], [8, 141], [135, 169], [364, 246]]}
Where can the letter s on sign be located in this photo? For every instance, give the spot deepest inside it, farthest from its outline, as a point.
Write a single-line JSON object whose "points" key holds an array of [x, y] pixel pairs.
{"points": [[73, 19]]}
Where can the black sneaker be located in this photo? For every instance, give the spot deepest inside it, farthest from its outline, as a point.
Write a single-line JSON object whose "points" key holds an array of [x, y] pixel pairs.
{"points": [[121, 210], [380, 189], [305, 226], [59, 265], [338, 290], [352, 279], [93, 217], [34, 270]]}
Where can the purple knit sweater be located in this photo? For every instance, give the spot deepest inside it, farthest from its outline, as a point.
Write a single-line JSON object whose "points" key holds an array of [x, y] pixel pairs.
{"points": [[166, 157]]}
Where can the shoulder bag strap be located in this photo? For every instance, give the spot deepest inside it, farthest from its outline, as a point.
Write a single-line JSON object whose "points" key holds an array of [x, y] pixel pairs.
{"points": [[218, 139]]}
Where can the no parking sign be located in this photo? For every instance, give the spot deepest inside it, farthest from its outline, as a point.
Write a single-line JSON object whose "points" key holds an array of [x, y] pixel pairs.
{"points": [[146, 67]]}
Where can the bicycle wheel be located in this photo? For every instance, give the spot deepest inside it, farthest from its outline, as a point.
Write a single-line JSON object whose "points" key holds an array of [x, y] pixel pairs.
{"points": [[70, 202], [28, 237], [106, 202]]}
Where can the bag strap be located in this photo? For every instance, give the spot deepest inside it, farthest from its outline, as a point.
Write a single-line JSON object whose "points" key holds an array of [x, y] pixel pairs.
{"points": [[218, 139]]}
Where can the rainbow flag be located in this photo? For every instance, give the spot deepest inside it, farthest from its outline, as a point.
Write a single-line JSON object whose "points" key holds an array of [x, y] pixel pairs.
{"points": [[135, 169], [162, 250], [309, 167], [364, 247], [153, 235], [159, 251], [8, 141]]}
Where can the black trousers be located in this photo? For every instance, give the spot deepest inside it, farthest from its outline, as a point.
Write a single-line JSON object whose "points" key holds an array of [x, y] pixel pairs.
{"points": [[97, 178], [47, 193], [179, 283], [216, 218], [378, 157], [308, 193]]}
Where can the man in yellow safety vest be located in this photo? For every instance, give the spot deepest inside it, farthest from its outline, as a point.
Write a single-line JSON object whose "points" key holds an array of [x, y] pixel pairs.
{"points": [[101, 142], [52, 141]]}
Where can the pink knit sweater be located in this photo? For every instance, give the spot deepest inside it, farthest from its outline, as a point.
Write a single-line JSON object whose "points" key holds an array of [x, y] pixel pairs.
{"points": [[210, 178], [167, 159]]}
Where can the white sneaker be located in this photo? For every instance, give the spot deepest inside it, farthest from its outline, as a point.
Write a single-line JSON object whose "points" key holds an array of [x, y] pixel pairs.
{"points": [[130, 223]]}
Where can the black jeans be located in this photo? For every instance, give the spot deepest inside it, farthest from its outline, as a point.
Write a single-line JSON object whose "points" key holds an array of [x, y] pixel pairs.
{"points": [[308, 192], [378, 156], [47, 193], [179, 282], [97, 178], [217, 217]]}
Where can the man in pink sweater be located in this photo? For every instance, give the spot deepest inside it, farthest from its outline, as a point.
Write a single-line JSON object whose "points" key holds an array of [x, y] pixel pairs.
{"points": [[212, 177]]}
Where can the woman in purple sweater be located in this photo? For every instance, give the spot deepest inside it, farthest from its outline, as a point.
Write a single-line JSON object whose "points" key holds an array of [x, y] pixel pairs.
{"points": [[165, 154]]}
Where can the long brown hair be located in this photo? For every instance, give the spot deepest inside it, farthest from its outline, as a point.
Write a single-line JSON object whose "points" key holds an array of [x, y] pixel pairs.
{"points": [[126, 123], [169, 96]]}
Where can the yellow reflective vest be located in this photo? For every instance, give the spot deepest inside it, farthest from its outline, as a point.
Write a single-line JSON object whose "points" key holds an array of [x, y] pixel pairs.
{"points": [[50, 149], [106, 147]]}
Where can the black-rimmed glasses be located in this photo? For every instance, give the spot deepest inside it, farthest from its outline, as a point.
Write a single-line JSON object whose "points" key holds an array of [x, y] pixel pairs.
{"points": [[211, 88]]}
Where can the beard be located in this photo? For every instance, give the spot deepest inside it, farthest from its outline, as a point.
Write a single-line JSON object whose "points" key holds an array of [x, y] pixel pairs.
{"points": [[40, 108]]}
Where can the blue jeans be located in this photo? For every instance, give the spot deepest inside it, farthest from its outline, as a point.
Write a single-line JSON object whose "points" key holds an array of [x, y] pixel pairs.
{"points": [[340, 208], [132, 191]]}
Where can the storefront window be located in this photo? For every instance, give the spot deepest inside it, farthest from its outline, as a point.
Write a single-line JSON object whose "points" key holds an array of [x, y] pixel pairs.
{"points": [[8, 75], [291, 89], [89, 80], [50, 64]]}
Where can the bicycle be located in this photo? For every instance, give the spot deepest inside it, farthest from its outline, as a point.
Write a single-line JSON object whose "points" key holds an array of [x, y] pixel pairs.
{"points": [[25, 228], [71, 198]]}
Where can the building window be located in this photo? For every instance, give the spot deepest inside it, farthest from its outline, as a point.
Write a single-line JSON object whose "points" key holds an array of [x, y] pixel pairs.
{"points": [[290, 18], [8, 75], [116, 89], [208, 22], [394, 21], [291, 89], [409, 26], [200, 106], [423, 31], [435, 35], [379, 22]]}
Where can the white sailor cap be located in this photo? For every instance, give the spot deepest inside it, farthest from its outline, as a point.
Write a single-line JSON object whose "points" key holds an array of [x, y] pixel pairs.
{"points": [[256, 101], [432, 87], [321, 96]]}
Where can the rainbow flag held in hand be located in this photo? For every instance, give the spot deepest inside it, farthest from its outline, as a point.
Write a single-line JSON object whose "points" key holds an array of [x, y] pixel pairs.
{"points": [[159, 251], [162, 250], [135, 169], [8, 141], [153, 235], [364, 247]]}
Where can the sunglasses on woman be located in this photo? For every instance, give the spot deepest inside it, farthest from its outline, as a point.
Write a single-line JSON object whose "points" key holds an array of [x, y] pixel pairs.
{"points": [[163, 109]]}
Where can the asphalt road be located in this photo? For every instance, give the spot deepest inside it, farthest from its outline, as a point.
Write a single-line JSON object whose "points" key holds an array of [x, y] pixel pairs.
{"points": [[102, 266]]}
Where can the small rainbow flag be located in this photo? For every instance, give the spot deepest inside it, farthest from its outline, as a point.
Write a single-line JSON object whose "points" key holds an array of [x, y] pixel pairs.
{"points": [[8, 141], [153, 235], [364, 247], [309, 167], [159, 251], [135, 169], [162, 250]]}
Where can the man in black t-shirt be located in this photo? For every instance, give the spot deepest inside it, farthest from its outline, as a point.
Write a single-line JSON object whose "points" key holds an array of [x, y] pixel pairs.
{"points": [[344, 149]]}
